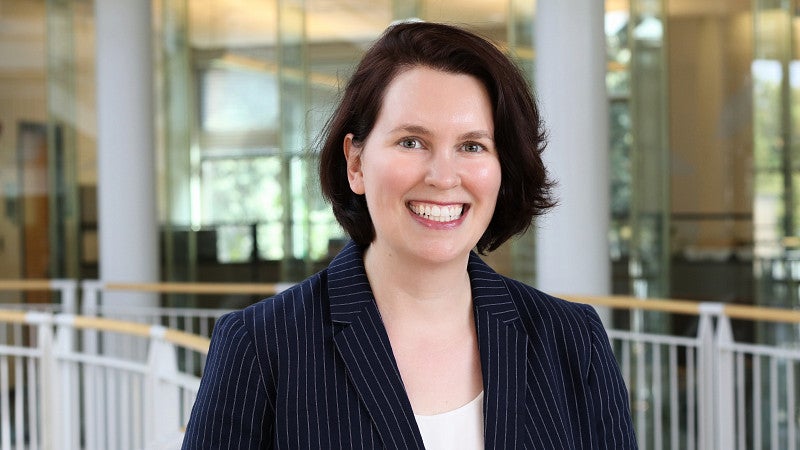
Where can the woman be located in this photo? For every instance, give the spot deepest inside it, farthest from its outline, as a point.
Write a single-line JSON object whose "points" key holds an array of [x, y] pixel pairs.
{"points": [[408, 340]]}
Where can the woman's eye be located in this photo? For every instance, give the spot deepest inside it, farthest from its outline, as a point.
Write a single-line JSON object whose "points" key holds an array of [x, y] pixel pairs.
{"points": [[472, 147], [410, 143]]}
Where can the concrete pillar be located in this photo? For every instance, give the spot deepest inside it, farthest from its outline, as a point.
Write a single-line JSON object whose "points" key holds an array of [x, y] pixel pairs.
{"points": [[128, 226], [572, 247]]}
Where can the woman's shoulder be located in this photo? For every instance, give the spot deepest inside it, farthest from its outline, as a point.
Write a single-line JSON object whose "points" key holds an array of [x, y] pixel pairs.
{"points": [[538, 308], [290, 303], [534, 307], [533, 297], [275, 323]]}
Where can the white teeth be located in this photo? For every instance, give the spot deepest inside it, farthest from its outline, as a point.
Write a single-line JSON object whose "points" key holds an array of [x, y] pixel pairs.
{"points": [[438, 213]]}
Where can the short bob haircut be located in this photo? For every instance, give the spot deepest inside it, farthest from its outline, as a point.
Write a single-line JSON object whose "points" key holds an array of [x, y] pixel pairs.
{"points": [[520, 138]]}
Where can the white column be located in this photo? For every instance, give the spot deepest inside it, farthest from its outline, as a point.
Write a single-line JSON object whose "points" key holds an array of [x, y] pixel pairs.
{"points": [[572, 247], [128, 227]]}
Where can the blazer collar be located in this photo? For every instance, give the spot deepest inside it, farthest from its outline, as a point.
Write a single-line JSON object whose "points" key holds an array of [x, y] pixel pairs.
{"points": [[362, 342], [350, 291], [503, 347]]}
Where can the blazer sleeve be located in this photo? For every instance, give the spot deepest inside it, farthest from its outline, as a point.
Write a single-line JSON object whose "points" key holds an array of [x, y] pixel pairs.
{"points": [[230, 410], [611, 405]]}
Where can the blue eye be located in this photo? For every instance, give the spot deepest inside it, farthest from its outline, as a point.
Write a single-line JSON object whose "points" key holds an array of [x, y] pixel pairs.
{"points": [[472, 147], [410, 143]]}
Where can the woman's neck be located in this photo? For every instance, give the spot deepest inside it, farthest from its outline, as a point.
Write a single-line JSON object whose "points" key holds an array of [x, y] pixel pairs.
{"points": [[413, 292], [428, 315]]}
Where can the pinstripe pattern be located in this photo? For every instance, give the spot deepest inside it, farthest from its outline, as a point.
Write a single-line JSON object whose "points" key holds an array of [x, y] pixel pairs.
{"points": [[313, 368]]}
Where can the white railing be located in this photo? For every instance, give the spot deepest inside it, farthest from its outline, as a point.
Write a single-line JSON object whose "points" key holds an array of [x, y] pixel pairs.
{"points": [[59, 390], [193, 320], [709, 391], [702, 391], [61, 295]]}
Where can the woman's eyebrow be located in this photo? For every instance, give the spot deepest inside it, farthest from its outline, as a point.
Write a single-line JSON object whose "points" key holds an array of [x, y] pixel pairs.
{"points": [[422, 131], [413, 129], [477, 135]]}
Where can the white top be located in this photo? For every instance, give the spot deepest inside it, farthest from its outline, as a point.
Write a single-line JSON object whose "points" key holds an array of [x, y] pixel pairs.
{"points": [[459, 429]]}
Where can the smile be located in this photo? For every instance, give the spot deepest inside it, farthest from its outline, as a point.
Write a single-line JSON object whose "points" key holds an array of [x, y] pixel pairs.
{"points": [[437, 213]]}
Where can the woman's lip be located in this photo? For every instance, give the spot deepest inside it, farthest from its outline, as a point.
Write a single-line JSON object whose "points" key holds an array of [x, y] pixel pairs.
{"points": [[439, 203], [438, 213]]}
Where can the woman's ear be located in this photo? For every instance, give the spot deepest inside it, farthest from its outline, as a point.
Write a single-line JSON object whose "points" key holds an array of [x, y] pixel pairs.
{"points": [[352, 153]]}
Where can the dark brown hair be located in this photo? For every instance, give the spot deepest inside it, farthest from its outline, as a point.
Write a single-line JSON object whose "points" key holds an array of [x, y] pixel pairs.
{"points": [[520, 138]]}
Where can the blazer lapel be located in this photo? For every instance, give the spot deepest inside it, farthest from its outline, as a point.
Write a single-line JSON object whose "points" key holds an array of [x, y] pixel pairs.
{"points": [[503, 349], [363, 344]]}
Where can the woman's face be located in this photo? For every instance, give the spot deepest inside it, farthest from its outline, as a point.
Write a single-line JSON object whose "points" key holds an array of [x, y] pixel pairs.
{"points": [[429, 168]]}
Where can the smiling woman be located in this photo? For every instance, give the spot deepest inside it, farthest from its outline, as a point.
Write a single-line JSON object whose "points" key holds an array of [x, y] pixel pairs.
{"points": [[429, 154], [408, 339]]}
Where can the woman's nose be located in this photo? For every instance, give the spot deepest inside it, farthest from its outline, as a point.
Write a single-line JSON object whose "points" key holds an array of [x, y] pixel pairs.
{"points": [[442, 172]]}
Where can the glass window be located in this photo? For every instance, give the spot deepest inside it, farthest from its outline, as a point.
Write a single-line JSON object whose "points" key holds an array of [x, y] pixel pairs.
{"points": [[248, 89], [233, 99]]}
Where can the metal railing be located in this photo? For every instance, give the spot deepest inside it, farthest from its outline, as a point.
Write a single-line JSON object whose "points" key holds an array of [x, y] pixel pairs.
{"points": [[64, 290], [71, 382], [143, 308], [704, 390], [709, 391]]}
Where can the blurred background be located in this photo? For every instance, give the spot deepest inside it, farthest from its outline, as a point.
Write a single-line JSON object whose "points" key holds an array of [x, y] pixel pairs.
{"points": [[175, 141], [702, 125]]}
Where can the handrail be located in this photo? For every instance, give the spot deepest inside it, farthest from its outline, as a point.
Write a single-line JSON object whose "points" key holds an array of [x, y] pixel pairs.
{"points": [[112, 325], [677, 306], [187, 340], [199, 288], [26, 285], [756, 313], [650, 304], [613, 301], [13, 316], [66, 368], [761, 313], [183, 339]]}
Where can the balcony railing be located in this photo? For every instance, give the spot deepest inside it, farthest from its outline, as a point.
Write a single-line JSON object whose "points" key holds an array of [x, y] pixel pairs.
{"points": [[701, 390], [72, 382]]}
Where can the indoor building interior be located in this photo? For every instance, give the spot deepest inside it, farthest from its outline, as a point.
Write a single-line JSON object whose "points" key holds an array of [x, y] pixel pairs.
{"points": [[703, 111]]}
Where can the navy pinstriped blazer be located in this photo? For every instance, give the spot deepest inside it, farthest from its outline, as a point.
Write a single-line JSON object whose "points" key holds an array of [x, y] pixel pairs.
{"points": [[312, 367]]}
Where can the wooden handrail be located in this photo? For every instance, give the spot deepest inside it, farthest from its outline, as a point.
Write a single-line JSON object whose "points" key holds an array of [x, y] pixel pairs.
{"points": [[617, 302], [183, 339], [26, 285], [197, 288], [12, 316], [761, 313], [112, 325], [755, 313], [650, 304], [192, 341], [188, 340], [613, 301]]}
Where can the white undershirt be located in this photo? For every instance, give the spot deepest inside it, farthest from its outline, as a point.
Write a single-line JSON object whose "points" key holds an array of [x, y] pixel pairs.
{"points": [[459, 429]]}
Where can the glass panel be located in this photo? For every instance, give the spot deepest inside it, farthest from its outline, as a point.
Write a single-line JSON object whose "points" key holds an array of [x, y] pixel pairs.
{"points": [[649, 261], [247, 88], [23, 94], [517, 257], [234, 243], [775, 72], [618, 85], [235, 99], [47, 140], [618, 48], [621, 183], [176, 152]]}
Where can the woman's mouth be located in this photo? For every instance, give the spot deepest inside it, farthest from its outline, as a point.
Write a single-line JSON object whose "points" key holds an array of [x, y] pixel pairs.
{"points": [[436, 212]]}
